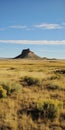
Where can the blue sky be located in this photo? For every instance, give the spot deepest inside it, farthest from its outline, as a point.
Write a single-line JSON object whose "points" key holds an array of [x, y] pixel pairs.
{"points": [[35, 24]]}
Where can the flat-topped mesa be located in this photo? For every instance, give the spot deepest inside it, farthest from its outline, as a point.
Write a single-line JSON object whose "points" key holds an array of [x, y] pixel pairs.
{"points": [[27, 54]]}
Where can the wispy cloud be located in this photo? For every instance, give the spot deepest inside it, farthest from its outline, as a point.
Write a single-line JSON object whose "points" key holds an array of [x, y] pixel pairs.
{"points": [[41, 42], [17, 26], [27, 28], [48, 26]]}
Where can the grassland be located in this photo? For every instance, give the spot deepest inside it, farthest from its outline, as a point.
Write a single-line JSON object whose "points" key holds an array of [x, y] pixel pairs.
{"points": [[32, 94]]}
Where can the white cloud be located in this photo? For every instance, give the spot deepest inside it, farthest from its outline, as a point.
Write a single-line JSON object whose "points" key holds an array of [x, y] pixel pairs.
{"points": [[21, 27], [41, 42], [48, 26], [17, 26]]}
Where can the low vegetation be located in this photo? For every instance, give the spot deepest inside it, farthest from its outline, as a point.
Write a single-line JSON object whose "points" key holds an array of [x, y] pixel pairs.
{"points": [[30, 81], [3, 92], [32, 95], [7, 88]]}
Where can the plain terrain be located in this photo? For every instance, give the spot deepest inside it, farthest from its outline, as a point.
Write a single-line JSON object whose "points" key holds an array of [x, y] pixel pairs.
{"points": [[32, 94]]}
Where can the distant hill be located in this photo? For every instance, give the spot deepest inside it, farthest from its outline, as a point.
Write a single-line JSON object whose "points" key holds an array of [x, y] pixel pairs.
{"points": [[27, 54], [45, 58]]}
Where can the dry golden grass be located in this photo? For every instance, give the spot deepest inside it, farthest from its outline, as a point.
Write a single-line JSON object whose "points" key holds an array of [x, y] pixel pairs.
{"points": [[43, 83]]}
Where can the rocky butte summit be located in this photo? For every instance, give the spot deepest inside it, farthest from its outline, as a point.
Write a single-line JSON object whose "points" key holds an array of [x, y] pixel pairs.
{"points": [[27, 54]]}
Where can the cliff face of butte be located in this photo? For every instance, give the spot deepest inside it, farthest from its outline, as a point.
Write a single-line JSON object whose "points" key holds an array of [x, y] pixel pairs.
{"points": [[28, 54]]}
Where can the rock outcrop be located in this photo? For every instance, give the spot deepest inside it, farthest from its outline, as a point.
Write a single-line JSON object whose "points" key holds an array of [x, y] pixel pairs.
{"points": [[28, 54]]}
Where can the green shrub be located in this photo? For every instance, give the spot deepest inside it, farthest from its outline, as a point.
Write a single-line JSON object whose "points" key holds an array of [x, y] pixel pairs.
{"points": [[49, 108], [6, 87], [60, 71], [53, 86], [53, 77], [31, 81], [56, 85], [15, 87], [11, 87], [45, 109], [3, 92]]}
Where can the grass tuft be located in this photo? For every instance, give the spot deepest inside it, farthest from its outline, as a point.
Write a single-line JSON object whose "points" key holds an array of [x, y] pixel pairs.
{"points": [[3, 92], [10, 87], [50, 108], [31, 81]]}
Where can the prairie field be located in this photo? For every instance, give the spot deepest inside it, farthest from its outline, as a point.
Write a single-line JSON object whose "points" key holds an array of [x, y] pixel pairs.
{"points": [[32, 94]]}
